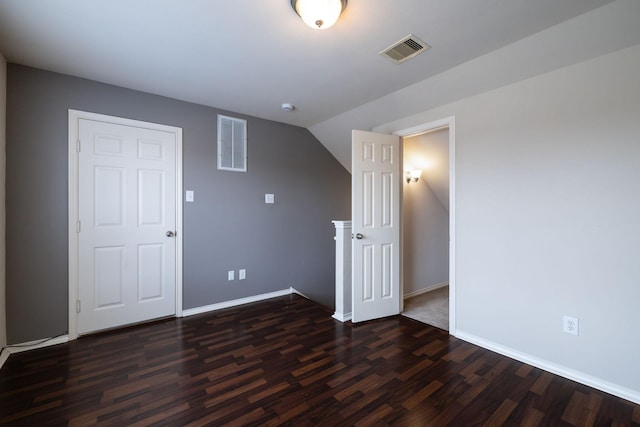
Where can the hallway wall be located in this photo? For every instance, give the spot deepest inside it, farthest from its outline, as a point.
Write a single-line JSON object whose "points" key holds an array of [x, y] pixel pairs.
{"points": [[425, 214]]}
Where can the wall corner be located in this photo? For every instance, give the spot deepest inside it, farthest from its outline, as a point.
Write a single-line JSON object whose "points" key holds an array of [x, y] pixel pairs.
{"points": [[3, 146]]}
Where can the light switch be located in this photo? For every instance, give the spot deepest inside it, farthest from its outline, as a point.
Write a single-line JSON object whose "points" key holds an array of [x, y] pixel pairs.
{"points": [[269, 198], [189, 196], [231, 275], [242, 274]]}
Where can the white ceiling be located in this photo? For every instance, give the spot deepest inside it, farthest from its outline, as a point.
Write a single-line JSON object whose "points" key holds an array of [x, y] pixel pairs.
{"points": [[250, 56]]}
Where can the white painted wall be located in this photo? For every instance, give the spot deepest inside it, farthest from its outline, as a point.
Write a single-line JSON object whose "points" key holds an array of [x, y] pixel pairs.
{"points": [[603, 30], [425, 226], [3, 134], [548, 217]]}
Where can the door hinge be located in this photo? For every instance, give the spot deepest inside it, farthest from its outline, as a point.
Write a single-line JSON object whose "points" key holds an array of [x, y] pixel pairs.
{"points": [[78, 146], [78, 226], [77, 306]]}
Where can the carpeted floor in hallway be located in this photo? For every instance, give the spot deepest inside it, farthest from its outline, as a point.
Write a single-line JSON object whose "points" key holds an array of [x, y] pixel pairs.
{"points": [[431, 308]]}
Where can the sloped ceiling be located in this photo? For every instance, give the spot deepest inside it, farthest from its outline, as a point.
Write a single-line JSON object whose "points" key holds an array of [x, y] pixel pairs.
{"points": [[250, 56], [601, 31]]}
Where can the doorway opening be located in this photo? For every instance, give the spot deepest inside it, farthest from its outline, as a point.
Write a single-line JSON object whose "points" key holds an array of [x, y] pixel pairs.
{"points": [[428, 242]]}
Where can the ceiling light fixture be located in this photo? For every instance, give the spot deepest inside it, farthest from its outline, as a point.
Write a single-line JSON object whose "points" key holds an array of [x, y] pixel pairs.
{"points": [[319, 14]]}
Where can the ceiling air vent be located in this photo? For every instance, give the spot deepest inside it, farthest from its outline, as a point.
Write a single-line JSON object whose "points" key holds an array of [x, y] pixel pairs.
{"points": [[405, 49]]}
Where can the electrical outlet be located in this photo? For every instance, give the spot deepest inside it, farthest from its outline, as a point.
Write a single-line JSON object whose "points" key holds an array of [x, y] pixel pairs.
{"points": [[231, 275], [570, 325], [242, 274]]}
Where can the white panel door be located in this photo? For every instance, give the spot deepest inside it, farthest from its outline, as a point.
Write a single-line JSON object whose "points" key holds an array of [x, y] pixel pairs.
{"points": [[127, 213], [376, 186]]}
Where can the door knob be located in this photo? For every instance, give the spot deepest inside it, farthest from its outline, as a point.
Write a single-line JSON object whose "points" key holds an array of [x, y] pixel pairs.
{"points": [[359, 236], [170, 233]]}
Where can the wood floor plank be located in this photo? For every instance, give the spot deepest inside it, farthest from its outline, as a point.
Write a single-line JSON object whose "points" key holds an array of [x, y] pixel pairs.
{"points": [[285, 361], [636, 414], [375, 417], [268, 392], [415, 369], [322, 374], [289, 414], [421, 395], [233, 393], [542, 383], [501, 414]]}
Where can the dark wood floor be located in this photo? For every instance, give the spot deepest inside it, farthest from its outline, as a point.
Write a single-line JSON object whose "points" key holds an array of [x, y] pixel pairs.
{"points": [[287, 362]]}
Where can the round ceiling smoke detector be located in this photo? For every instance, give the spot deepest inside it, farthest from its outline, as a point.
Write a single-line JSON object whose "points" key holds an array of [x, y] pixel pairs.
{"points": [[287, 107]]}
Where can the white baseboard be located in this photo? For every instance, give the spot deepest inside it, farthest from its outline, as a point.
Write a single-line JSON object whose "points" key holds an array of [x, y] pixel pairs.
{"points": [[31, 345], [240, 301], [425, 290], [297, 292], [563, 371], [342, 317], [4, 355]]}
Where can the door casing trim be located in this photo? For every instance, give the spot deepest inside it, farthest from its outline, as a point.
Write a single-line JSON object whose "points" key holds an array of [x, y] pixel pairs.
{"points": [[73, 132]]}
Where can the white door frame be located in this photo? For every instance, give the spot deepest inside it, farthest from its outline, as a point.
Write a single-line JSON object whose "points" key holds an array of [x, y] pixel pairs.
{"points": [[448, 122], [74, 117]]}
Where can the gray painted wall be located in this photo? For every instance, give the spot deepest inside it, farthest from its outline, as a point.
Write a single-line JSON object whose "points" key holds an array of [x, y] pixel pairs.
{"points": [[425, 218], [228, 227]]}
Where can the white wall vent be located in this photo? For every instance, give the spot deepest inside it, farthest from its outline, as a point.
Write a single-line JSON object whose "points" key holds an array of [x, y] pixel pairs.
{"points": [[232, 144], [404, 49]]}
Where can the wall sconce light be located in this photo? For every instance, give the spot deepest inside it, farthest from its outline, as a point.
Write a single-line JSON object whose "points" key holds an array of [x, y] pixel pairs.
{"points": [[319, 14], [413, 175]]}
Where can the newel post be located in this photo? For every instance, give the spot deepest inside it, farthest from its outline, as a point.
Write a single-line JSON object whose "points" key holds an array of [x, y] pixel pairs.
{"points": [[343, 270]]}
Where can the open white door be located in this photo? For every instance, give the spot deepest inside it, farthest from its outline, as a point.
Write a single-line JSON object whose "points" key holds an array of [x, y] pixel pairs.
{"points": [[376, 191]]}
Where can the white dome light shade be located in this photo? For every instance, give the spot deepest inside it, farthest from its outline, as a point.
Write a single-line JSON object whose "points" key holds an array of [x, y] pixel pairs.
{"points": [[319, 14]]}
